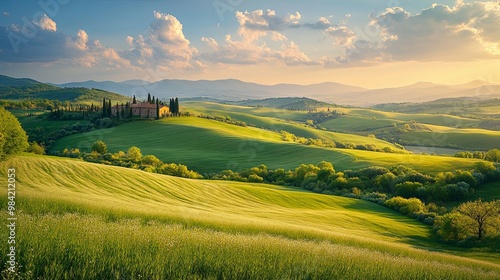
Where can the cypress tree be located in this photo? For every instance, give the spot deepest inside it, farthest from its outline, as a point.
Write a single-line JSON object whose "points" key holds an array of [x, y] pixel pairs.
{"points": [[109, 108], [149, 98], [176, 106], [104, 107], [133, 100], [122, 112], [157, 110]]}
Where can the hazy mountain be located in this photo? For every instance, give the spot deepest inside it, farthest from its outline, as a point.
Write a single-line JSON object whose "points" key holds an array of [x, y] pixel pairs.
{"points": [[236, 90], [231, 90]]}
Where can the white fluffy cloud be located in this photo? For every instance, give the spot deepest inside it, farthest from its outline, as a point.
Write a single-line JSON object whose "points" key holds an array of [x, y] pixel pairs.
{"points": [[255, 29], [44, 43], [164, 46], [342, 35], [46, 23], [321, 23], [464, 32]]}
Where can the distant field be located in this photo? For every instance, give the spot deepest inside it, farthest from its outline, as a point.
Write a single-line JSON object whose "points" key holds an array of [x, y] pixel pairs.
{"points": [[465, 138], [211, 146], [94, 221], [437, 129]]}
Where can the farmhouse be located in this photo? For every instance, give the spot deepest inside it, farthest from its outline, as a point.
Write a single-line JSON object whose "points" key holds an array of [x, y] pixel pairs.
{"points": [[143, 110]]}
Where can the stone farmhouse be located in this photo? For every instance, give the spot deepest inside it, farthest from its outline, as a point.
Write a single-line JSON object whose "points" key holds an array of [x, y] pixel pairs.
{"points": [[143, 110]]}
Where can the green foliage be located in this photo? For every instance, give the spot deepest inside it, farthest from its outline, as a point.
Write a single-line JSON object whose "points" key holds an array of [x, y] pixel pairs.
{"points": [[35, 148], [493, 155], [99, 147], [13, 138], [483, 216], [451, 227], [133, 158], [134, 154], [408, 207]]}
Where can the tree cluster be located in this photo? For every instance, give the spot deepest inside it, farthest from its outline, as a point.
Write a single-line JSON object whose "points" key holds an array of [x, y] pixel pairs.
{"points": [[491, 155], [174, 106], [225, 119], [470, 221], [133, 158], [290, 137]]}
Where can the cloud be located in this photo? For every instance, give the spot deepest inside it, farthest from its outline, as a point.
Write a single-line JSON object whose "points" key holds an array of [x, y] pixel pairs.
{"points": [[45, 44], [5, 14], [164, 46], [439, 33], [258, 23], [464, 32], [255, 30], [321, 23], [46, 23], [342, 35], [267, 21]]}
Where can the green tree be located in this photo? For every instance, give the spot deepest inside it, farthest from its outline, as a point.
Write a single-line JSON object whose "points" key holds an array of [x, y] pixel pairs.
{"points": [[481, 215], [13, 138], [134, 154], [109, 109], [149, 98], [451, 226], [99, 147], [104, 108], [157, 109], [134, 101], [176, 106], [35, 148], [493, 155]]}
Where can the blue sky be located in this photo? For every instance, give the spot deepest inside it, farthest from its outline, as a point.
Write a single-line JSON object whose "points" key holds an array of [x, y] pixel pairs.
{"points": [[365, 43]]}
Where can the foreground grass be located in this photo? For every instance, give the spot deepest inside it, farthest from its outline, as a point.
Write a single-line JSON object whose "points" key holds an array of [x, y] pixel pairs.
{"points": [[86, 221], [86, 247]]}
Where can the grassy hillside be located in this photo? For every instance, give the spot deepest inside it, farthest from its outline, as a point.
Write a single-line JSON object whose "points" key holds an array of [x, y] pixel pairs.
{"points": [[280, 119], [17, 89], [454, 131], [293, 103], [90, 221], [211, 146]]}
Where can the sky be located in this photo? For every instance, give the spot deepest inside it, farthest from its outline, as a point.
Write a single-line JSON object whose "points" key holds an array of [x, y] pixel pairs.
{"points": [[371, 43]]}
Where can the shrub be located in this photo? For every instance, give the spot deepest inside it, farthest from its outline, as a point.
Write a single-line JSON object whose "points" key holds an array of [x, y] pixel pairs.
{"points": [[405, 206], [99, 147]]}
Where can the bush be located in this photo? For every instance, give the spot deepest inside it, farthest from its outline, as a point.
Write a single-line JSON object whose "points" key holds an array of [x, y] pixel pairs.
{"points": [[99, 147], [405, 206], [35, 148]]}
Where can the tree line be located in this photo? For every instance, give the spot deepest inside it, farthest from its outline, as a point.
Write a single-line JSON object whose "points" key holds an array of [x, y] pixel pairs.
{"points": [[132, 158]]}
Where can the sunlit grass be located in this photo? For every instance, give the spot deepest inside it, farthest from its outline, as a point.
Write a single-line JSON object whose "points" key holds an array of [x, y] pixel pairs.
{"points": [[211, 146], [86, 221]]}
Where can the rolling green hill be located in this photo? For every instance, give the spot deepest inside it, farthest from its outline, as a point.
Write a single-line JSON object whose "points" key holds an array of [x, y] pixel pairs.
{"points": [[428, 130], [18, 89], [291, 103], [89, 221], [211, 146], [12, 88]]}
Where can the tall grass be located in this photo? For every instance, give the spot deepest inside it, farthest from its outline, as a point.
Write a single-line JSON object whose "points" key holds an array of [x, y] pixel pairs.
{"points": [[73, 246], [79, 220]]}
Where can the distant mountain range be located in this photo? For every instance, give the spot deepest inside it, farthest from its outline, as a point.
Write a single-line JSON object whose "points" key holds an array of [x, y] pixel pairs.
{"points": [[236, 90]]}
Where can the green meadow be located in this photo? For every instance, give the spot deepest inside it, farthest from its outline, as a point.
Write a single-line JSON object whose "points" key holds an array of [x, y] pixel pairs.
{"points": [[211, 146], [87, 221], [442, 130]]}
